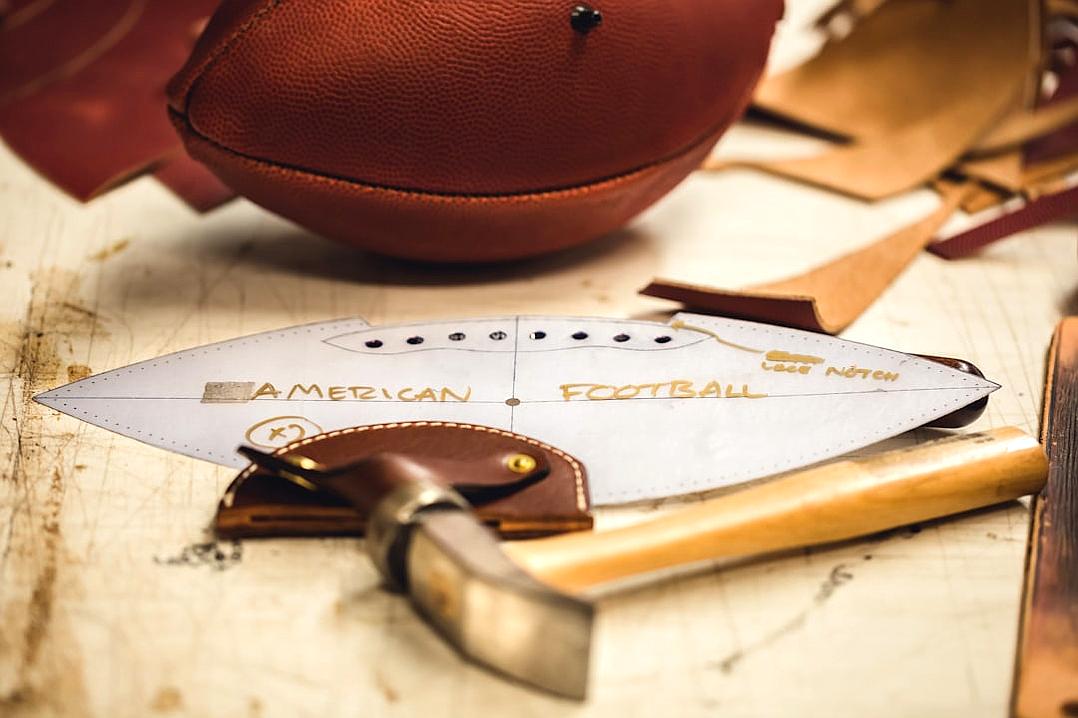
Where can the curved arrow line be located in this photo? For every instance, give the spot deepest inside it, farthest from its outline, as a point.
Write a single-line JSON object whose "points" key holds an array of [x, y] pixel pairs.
{"points": [[678, 324]]}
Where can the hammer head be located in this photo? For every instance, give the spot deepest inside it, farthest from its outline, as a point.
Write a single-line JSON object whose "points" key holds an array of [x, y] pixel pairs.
{"points": [[426, 540], [492, 611], [426, 544]]}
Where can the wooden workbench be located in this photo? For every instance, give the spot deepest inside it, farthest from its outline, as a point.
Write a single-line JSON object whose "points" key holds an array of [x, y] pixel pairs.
{"points": [[115, 601]]}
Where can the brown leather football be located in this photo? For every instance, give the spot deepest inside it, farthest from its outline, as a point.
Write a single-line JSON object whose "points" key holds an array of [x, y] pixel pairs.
{"points": [[466, 130]]}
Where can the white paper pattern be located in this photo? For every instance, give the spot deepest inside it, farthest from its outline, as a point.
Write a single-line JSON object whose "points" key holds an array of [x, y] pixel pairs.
{"points": [[652, 409]]}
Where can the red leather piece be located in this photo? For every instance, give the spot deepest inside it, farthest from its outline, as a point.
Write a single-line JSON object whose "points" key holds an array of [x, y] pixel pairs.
{"points": [[465, 98], [82, 86], [44, 42], [1042, 210], [193, 183]]}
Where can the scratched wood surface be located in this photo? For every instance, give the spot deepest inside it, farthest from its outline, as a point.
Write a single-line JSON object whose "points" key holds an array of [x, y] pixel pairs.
{"points": [[114, 600]]}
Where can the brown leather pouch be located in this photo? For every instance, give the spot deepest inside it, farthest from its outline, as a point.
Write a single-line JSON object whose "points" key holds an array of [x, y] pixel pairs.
{"points": [[261, 504]]}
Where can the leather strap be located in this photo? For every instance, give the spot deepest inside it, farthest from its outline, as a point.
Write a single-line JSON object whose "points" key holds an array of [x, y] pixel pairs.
{"points": [[1032, 214]]}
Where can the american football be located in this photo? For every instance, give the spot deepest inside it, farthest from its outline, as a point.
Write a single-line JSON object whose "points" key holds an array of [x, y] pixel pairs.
{"points": [[472, 130]]}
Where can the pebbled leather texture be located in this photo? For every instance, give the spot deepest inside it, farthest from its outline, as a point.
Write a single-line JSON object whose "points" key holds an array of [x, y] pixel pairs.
{"points": [[463, 99], [259, 504], [444, 228]]}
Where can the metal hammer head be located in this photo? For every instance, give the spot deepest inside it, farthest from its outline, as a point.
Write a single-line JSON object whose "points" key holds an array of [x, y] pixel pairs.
{"points": [[426, 542]]}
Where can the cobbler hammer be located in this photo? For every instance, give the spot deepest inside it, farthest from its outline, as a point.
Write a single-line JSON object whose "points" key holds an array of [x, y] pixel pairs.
{"points": [[521, 607]]}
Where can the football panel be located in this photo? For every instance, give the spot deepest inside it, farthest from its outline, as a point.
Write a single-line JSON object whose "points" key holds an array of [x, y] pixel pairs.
{"points": [[447, 228], [475, 97]]}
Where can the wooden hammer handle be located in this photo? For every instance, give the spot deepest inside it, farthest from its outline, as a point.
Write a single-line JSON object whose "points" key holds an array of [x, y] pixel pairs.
{"points": [[828, 503]]}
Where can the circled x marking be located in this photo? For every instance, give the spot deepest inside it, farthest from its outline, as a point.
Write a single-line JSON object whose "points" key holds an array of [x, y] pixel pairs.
{"points": [[278, 431]]}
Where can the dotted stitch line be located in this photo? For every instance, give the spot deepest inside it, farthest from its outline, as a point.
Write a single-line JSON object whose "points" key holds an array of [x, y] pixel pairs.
{"points": [[229, 344]]}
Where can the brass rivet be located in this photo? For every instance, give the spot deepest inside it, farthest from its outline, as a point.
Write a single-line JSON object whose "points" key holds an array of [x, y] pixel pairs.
{"points": [[303, 462], [521, 463]]}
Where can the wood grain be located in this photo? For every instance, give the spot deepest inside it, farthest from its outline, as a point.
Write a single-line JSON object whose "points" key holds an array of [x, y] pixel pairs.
{"points": [[1046, 672], [828, 503]]}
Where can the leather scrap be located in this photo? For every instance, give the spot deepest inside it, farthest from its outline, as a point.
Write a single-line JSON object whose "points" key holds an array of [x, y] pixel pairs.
{"points": [[1004, 171], [82, 92], [1025, 125], [1011, 220], [830, 297], [1048, 176], [1042, 187], [889, 71], [193, 183], [981, 197], [1064, 140], [260, 504], [903, 87]]}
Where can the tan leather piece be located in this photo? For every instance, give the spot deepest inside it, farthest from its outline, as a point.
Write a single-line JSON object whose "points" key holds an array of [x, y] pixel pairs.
{"points": [[1044, 176], [897, 65], [830, 297], [903, 87], [258, 504], [981, 197], [1024, 125], [1008, 173], [1003, 170]]}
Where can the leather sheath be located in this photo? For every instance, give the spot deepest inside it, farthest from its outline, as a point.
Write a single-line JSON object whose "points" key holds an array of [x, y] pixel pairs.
{"points": [[261, 504]]}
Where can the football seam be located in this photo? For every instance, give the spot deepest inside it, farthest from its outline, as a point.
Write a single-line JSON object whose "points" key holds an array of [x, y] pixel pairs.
{"points": [[450, 197], [226, 48]]}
